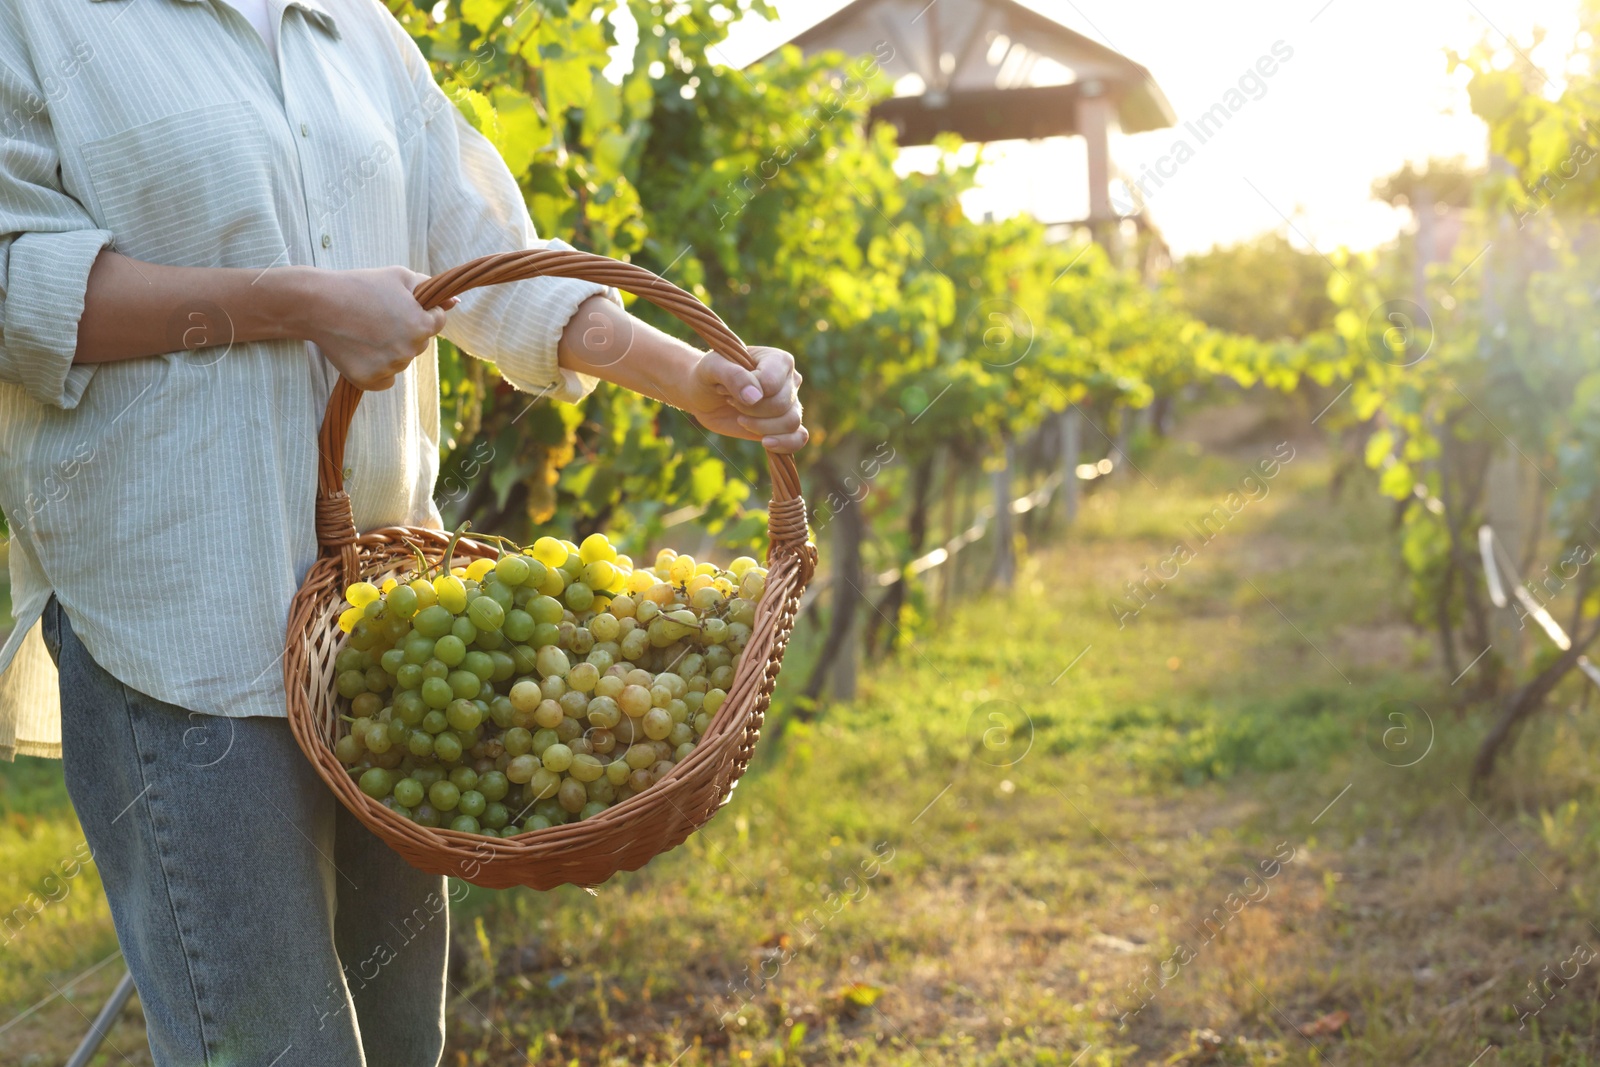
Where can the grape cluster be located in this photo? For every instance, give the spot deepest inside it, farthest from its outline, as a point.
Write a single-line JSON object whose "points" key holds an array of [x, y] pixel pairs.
{"points": [[523, 692]]}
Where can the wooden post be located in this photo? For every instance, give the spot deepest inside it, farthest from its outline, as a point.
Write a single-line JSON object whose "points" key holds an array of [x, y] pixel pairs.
{"points": [[1095, 116], [1005, 557], [1071, 435]]}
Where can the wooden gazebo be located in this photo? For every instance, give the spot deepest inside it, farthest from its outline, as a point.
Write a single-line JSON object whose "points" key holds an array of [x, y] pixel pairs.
{"points": [[993, 70]]}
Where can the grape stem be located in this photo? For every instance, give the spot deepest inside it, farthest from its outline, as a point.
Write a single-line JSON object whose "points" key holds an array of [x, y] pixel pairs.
{"points": [[422, 559], [450, 549]]}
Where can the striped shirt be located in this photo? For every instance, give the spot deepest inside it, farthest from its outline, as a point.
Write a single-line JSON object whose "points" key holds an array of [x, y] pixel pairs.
{"points": [[167, 502]]}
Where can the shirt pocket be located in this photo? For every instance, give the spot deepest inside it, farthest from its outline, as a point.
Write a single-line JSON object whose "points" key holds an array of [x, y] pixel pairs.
{"points": [[196, 188]]}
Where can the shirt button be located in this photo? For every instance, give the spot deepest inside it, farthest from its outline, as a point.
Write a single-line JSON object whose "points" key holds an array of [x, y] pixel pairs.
{"points": [[305, 130], [326, 241]]}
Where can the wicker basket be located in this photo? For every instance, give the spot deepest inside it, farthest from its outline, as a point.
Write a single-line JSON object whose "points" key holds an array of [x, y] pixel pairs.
{"points": [[627, 835]]}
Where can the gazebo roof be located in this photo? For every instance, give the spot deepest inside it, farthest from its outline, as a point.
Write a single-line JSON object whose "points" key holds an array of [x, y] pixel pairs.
{"points": [[989, 70]]}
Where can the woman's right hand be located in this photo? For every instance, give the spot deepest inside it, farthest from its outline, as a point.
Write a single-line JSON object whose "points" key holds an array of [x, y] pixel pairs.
{"points": [[368, 324]]}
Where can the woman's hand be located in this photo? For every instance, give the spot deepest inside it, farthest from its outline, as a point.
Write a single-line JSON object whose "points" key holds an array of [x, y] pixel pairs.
{"points": [[761, 405], [368, 324]]}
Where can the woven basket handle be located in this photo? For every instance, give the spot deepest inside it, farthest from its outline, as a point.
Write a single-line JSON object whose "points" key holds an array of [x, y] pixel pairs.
{"points": [[336, 532]]}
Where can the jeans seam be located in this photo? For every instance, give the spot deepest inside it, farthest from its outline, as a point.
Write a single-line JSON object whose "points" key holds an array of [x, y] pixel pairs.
{"points": [[166, 880]]}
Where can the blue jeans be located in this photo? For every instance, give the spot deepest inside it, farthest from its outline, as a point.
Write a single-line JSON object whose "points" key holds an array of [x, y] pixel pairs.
{"points": [[263, 925]]}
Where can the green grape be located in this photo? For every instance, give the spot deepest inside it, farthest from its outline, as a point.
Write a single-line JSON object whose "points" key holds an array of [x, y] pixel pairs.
{"points": [[465, 684], [419, 649], [479, 664], [377, 783], [521, 769], [494, 785], [463, 714], [432, 622], [518, 626], [363, 636], [556, 758], [705, 599], [583, 677], [572, 795], [682, 751], [617, 772], [552, 662], [634, 644], [420, 744], [574, 703], [444, 795], [435, 668], [435, 722], [714, 700], [352, 684], [348, 659], [491, 640], [513, 570], [657, 724], [635, 700], [585, 768], [579, 597], [472, 803], [682, 733], [402, 601], [447, 746], [409, 791], [502, 665], [524, 659], [546, 634], [464, 778], [590, 810], [602, 790], [495, 816], [500, 594], [377, 679], [543, 784], [397, 807], [545, 609], [517, 741], [486, 613], [501, 711], [463, 629], [377, 740], [451, 650], [603, 712], [425, 815], [542, 739], [347, 749], [409, 707], [464, 824], [367, 705], [452, 593], [409, 676], [536, 822], [392, 661], [437, 694]]}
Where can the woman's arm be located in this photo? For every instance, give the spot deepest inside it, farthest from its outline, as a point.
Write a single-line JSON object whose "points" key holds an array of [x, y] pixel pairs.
{"points": [[369, 326], [365, 321], [762, 405]]}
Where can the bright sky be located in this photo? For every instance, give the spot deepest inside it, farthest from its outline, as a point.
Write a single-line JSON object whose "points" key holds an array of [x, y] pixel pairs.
{"points": [[1366, 90]]}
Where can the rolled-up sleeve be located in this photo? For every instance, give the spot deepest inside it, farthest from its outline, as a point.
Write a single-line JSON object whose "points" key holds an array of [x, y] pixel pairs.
{"points": [[474, 209], [48, 243]]}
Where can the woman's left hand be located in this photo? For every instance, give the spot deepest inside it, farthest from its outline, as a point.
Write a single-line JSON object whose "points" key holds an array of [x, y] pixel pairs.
{"points": [[760, 405]]}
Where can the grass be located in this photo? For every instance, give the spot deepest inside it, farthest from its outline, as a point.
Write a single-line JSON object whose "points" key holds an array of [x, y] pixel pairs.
{"points": [[1041, 837]]}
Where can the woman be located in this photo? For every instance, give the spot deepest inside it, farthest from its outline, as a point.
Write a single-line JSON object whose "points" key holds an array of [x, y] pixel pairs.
{"points": [[210, 210]]}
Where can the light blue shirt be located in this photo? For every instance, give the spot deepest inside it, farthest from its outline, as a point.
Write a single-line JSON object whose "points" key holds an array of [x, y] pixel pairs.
{"points": [[168, 501]]}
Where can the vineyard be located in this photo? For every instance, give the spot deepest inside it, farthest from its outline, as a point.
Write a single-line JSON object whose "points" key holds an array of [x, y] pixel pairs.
{"points": [[1022, 453]]}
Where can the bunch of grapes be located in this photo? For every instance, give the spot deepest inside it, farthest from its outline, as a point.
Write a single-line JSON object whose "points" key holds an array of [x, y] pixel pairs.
{"points": [[519, 693]]}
